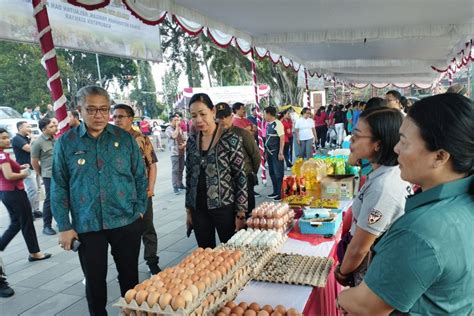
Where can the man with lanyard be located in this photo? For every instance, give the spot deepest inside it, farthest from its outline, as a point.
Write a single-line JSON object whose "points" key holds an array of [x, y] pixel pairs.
{"points": [[99, 182], [22, 148], [274, 146], [123, 118], [42, 162]]}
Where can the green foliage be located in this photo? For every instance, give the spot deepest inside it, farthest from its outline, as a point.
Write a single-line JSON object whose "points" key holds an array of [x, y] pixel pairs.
{"points": [[22, 78], [84, 70], [145, 92]]}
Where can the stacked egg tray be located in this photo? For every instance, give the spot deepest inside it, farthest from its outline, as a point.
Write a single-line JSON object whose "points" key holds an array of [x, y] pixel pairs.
{"points": [[133, 305], [296, 269]]}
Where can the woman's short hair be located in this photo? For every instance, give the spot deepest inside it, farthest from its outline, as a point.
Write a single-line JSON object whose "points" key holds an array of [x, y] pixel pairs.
{"points": [[385, 125], [202, 97], [446, 121]]}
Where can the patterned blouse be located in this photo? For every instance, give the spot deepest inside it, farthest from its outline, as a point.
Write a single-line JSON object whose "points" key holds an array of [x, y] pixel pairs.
{"points": [[224, 167]]}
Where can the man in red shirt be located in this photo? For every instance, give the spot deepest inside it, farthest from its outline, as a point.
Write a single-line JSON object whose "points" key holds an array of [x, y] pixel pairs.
{"points": [[239, 119], [145, 127]]}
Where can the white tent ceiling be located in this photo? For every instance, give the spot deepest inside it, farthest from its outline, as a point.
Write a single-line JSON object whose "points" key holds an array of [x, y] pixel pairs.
{"points": [[362, 41]]}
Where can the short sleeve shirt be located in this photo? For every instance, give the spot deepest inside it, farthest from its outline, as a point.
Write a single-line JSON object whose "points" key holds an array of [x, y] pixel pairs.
{"points": [[146, 149], [274, 131], [241, 122], [21, 156], [380, 201], [305, 128], [424, 264], [9, 185], [42, 149]]}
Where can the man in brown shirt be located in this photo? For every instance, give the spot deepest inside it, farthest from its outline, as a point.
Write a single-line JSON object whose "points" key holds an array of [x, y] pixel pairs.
{"points": [[123, 118]]}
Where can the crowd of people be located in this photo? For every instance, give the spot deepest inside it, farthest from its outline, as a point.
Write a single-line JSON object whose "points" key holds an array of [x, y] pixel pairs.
{"points": [[408, 249]]}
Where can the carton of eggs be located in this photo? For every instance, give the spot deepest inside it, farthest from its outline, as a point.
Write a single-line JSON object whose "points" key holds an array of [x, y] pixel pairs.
{"points": [[254, 309], [257, 238]]}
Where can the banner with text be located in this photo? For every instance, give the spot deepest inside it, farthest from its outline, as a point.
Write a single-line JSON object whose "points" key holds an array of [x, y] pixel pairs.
{"points": [[112, 30]]}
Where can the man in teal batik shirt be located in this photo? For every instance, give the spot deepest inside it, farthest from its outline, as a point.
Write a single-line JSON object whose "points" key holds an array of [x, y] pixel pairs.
{"points": [[99, 181]]}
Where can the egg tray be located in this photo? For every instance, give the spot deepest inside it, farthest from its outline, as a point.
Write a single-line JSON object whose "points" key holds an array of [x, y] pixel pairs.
{"points": [[260, 256], [240, 280], [190, 307], [297, 269]]}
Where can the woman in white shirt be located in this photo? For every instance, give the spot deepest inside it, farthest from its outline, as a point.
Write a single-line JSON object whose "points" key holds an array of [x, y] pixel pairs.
{"points": [[305, 133]]}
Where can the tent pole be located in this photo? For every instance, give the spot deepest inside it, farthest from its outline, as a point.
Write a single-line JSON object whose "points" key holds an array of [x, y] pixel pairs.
{"points": [[259, 117], [49, 62]]}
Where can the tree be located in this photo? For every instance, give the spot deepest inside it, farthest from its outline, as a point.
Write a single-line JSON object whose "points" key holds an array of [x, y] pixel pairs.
{"points": [[145, 91], [170, 86], [85, 72], [23, 79]]}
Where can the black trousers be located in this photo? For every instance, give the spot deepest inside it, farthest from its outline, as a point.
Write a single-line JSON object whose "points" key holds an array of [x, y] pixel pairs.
{"points": [[150, 240], [288, 152], [19, 208], [47, 215], [321, 132], [251, 192], [125, 244], [206, 222]]}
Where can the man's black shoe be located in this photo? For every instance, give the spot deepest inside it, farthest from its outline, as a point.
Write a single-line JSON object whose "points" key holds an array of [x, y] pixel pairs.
{"points": [[37, 214], [5, 289], [154, 268]]}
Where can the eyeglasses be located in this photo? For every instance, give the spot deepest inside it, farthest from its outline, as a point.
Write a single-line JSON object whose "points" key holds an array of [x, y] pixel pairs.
{"points": [[120, 117], [94, 111]]}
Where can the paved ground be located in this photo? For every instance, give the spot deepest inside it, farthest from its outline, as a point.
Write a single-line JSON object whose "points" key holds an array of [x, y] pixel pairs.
{"points": [[54, 286]]}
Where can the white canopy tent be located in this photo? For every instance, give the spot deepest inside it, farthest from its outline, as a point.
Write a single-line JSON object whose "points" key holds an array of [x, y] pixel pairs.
{"points": [[356, 41]]}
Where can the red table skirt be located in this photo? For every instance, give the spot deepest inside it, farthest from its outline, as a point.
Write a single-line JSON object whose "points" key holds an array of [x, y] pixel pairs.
{"points": [[322, 301]]}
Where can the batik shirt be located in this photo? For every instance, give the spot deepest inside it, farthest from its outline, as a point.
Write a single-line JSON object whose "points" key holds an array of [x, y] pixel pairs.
{"points": [[146, 148], [99, 182]]}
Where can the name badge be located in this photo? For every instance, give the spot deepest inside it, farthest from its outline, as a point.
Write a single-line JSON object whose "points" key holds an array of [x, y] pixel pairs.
{"points": [[116, 144], [81, 162]]}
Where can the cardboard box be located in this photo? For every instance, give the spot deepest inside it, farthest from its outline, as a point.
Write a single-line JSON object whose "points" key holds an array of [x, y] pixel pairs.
{"points": [[340, 188]]}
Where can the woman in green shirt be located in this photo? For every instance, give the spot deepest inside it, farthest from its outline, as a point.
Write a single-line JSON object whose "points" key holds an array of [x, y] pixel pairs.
{"points": [[424, 264]]}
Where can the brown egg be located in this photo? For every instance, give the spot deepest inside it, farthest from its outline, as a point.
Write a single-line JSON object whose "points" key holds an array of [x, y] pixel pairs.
{"points": [[231, 261], [174, 292], [244, 305], [193, 289], [277, 314], [292, 312], [180, 286], [206, 280], [280, 308], [263, 313], [201, 273], [268, 308], [218, 259], [141, 296], [226, 310], [155, 278], [208, 250], [221, 314], [178, 302], [150, 289], [198, 250], [162, 290], [158, 284], [130, 295], [211, 299], [250, 312], [190, 266], [195, 278], [165, 300], [218, 275], [238, 310], [226, 265], [213, 277], [254, 306], [231, 304], [222, 270], [139, 287], [147, 283], [201, 286], [152, 298], [188, 296]]}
